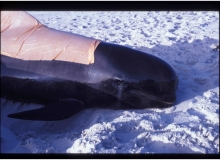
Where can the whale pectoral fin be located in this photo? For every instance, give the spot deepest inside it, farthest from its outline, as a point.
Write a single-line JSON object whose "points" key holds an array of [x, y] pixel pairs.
{"points": [[57, 110]]}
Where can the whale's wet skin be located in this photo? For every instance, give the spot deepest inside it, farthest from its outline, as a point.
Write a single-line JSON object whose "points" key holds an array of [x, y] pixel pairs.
{"points": [[119, 78]]}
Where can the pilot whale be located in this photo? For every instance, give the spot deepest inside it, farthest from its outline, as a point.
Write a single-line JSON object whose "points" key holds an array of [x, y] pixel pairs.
{"points": [[119, 78]]}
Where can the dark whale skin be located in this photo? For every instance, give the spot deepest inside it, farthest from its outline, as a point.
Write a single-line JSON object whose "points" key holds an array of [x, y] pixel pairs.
{"points": [[119, 78]]}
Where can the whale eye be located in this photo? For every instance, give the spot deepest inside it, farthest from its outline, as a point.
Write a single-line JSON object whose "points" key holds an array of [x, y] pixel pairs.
{"points": [[119, 86], [119, 81]]}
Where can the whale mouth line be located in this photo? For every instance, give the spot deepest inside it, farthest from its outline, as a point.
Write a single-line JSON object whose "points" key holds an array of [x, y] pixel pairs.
{"points": [[150, 96]]}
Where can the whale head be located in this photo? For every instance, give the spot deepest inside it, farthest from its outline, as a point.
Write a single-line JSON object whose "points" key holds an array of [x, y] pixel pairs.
{"points": [[137, 78]]}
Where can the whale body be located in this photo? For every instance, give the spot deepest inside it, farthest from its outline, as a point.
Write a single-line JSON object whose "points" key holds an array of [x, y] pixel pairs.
{"points": [[119, 78]]}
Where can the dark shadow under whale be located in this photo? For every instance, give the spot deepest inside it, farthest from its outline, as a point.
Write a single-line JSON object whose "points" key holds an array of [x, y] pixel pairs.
{"points": [[119, 78]]}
